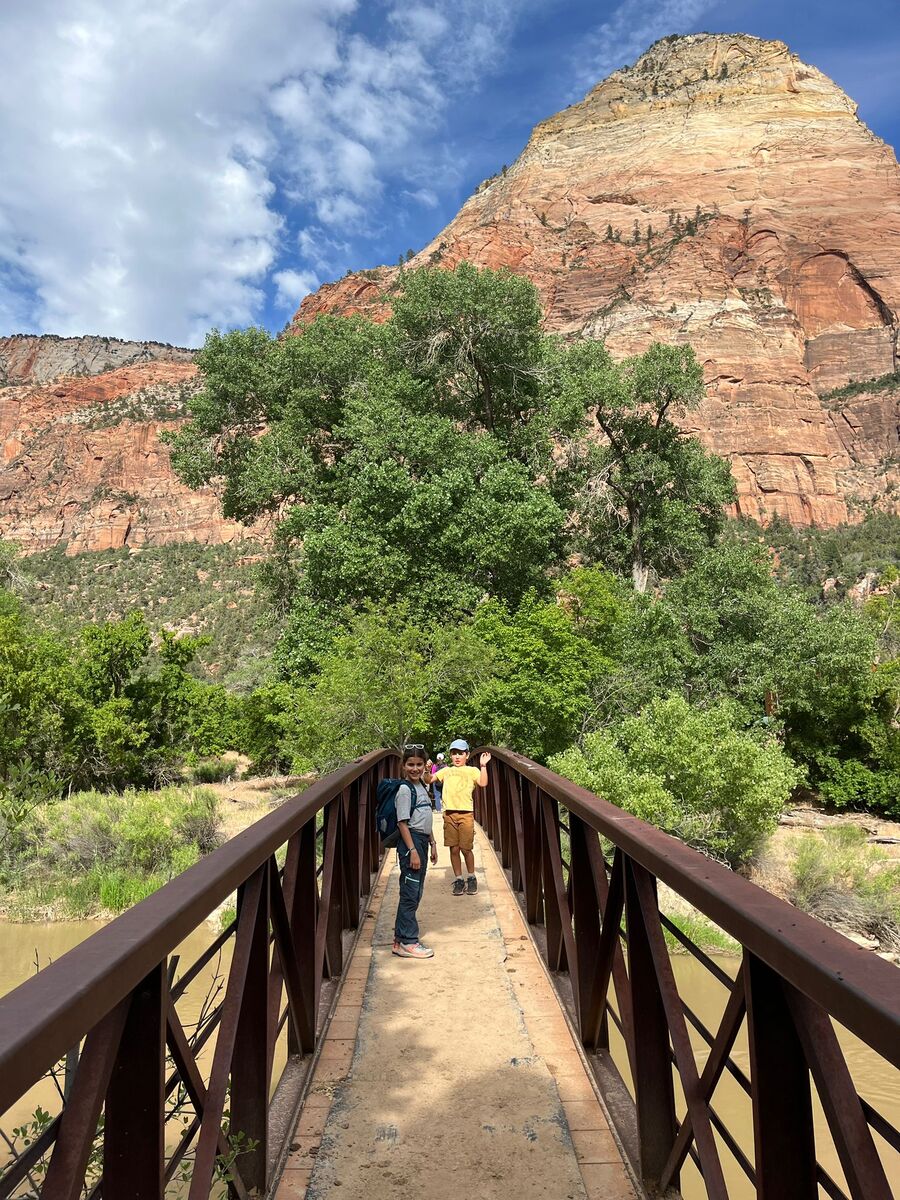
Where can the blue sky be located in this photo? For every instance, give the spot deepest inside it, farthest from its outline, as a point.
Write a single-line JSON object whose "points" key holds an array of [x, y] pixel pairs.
{"points": [[170, 165]]}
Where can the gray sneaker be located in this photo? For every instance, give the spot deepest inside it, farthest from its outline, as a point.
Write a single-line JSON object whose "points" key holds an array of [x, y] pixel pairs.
{"points": [[412, 950], [471, 885], [459, 887]]}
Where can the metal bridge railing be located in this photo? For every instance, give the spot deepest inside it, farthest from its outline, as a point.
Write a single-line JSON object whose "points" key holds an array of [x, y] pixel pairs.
{"points": [[152, 1092], [597, 920]]}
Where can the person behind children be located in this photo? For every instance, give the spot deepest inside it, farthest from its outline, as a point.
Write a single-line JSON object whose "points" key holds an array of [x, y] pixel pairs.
{"points": [[414, 820], [435, 786], [458, 783]]}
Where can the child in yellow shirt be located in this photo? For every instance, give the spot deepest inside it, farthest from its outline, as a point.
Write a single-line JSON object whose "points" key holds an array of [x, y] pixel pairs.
{"points": [[458, 783]]}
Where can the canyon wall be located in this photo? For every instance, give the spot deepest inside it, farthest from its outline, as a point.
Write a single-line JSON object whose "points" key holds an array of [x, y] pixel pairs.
{"points": [[81, 462]]}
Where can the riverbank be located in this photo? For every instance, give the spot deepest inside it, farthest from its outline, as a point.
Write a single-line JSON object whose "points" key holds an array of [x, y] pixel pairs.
{"points": [[91, 855]]}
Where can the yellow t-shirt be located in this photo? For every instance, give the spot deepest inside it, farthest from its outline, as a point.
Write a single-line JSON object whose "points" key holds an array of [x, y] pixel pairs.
{"points": [[458, 788]]}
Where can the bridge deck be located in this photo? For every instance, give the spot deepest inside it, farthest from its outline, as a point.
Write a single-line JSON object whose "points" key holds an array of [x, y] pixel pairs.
{"points": [[455, 1076]]}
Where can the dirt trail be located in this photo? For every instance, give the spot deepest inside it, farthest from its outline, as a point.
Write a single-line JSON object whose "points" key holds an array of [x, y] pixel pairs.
{"points": [[446, 1094]]}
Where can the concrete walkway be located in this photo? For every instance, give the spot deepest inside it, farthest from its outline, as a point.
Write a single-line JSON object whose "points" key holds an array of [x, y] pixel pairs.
{"points": [[455, 1076]]}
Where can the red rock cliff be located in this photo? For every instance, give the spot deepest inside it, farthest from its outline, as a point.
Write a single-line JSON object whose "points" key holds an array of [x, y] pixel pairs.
{"points": [[723, 193], [81, 463]]}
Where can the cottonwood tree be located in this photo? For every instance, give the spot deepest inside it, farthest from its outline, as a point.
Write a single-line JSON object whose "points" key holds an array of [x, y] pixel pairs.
{"points": [[652, 497]]}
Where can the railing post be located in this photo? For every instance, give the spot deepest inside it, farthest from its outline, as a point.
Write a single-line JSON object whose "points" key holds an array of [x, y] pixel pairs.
{"points": [[782, 1106], [303, 932], [586, 915], [249, 1120], [350, 872], [517, 836], [363, 838], [557, 917], [331, 897], [134, 1124], [654, 1090], [505, 815], [531, 866]]}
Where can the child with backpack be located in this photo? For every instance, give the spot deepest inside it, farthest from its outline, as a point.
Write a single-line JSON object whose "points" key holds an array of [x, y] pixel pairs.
{"points": [[414, 826]]}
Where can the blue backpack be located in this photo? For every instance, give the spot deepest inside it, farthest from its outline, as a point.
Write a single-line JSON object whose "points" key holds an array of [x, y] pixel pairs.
{"points": [[386, 810]]}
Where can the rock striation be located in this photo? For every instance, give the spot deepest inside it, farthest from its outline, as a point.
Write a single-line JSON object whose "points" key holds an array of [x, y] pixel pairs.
{"points": [[40, 358], [723, 193], [81, 462]]}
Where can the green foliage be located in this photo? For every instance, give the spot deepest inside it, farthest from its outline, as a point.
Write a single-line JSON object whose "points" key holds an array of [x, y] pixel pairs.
{"points": [[696, 773], [386, 680], [96, 851], [726, 628], [92, 712], [438, 433], [838, 877], [807, 557], [882, 383], [652, 499], [209, 591], [550, 657]]}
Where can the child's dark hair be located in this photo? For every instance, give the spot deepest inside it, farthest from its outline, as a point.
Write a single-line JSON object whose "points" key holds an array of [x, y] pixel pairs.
{"points": [[414, 750]]}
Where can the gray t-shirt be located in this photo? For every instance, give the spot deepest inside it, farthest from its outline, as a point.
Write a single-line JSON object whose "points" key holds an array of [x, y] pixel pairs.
{"points": [[420, 818]]}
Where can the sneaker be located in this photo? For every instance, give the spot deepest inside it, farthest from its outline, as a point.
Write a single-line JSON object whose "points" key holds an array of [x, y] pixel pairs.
{"points": [[459, 887], [471, 885], [413, 950]]}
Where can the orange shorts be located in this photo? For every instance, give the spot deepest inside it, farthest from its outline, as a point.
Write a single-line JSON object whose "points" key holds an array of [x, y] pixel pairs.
{"points": [[459, 829]]}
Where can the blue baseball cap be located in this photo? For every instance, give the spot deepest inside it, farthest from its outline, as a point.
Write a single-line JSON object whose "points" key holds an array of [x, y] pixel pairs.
{"points": [[459, 744]]}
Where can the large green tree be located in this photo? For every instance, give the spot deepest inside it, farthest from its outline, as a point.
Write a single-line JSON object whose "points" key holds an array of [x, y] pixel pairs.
{"points": [[652, 498], [447, 456]]}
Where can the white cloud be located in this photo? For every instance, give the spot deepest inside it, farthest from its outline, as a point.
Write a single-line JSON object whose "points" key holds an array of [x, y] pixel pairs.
{"points": [[156, 156], [424, 196], [630, 29], [293, 286], [136, 195]]}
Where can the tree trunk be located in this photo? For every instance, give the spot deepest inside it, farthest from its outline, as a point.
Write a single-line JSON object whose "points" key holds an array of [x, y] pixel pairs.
{"points": [[640, 572]]}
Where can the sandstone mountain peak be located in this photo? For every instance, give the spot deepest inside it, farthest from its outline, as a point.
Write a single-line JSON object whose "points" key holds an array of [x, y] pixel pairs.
{"points": [[719, 192]]}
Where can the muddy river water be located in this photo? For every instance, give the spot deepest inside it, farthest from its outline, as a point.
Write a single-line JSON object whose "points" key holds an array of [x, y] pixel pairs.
{"points": [[25, 947]]}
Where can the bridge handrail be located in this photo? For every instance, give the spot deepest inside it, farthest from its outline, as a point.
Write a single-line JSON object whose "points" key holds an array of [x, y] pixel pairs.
{"points": [[117, 994], [599, 926], [47, 1014], [859, 989]]}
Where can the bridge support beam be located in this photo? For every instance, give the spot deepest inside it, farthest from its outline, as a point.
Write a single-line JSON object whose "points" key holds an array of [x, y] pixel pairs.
{"points": [[653, 1085], [133, 1130], [249, 1120], [782, 1105]]}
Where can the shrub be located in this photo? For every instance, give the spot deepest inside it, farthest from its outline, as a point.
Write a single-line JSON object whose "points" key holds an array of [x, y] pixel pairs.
{"points": [[844, 881], [213, 771], [96, 851], [198, 823], [694, 772], [853, 784]]}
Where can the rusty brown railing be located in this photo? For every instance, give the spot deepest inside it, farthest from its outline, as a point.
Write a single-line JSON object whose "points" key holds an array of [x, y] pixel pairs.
{"points": [[113, 1002], [796, 976]]}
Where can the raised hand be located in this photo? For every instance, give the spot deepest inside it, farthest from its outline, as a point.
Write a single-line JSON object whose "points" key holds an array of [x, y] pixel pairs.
{"points": [[485, 758]]}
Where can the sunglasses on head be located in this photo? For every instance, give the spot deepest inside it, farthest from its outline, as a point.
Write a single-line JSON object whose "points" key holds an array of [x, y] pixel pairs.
{"points": [[413, 746]]}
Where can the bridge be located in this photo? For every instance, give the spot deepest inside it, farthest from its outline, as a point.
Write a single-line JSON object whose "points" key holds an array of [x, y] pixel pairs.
{"points": [[552, 1048]]}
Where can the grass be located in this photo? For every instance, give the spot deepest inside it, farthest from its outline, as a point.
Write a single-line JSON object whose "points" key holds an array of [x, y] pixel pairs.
{"points": [[96, 854], [703, 933], [851, 885]]}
